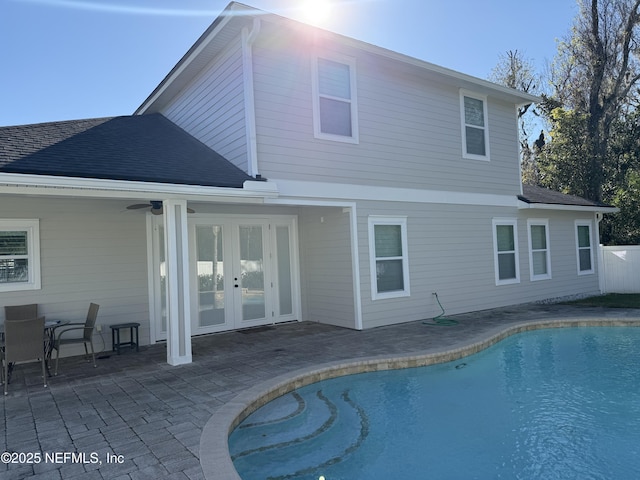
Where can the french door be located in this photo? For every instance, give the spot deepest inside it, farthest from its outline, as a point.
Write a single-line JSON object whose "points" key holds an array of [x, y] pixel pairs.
{"points": [[243, 273]]}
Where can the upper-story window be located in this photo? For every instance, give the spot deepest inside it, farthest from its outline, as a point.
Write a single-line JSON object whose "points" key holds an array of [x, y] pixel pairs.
{"points": [[475, 126], [19, 255], [334, 99]]}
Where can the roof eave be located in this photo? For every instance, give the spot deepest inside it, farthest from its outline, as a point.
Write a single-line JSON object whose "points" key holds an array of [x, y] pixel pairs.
{"points": [[49, 185], [575, 208], [237, 10]]}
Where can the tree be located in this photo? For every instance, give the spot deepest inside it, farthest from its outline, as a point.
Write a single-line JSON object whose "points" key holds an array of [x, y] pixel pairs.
{"points": [[623, 181], [561, 164], [595, 76], [515, 71]]}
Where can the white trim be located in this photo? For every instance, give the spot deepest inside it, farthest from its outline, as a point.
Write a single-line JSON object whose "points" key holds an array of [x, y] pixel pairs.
{"points": [[249, 99], [235, 10], [508, 222], [352, 192], [589, 224], [178, 297], [351, 208], [353, 100], [49, 185], [485, 127], [151, 282], [32, 227], [355, 267], [373, 221], [575, 208], [544, 223]]}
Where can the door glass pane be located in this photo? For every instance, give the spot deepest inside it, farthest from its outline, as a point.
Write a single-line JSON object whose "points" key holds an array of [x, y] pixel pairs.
{"points": [[284, 270], [210, 271], [163, 281], [252, 272]]}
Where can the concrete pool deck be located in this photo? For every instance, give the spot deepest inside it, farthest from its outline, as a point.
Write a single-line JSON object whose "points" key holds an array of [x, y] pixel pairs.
{"points": [[140, 418]]}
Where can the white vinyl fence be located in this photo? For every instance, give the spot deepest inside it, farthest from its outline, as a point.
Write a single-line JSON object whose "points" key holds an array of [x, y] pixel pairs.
{"points": [[621, 269]]}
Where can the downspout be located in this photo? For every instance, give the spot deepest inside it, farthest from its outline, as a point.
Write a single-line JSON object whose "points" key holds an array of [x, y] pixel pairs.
{"points": [[249, 100]]}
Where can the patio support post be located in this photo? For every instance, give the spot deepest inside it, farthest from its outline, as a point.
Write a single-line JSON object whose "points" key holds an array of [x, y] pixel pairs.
{"points": [[177, 262]]}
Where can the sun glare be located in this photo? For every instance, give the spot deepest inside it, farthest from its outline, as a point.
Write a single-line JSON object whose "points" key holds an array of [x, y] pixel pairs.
{"points": [[316, 11]]}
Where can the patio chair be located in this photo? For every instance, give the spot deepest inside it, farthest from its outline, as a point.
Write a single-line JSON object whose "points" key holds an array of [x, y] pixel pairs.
{"points": [[23, 341], [86, 338], [21, 312]]}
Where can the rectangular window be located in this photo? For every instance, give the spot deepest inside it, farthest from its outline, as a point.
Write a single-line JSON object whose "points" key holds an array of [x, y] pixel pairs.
{"points": [[475, 126], [389, 260], [506, 251], [334, 103], [539, 256], [584, 250], [19, 255]]}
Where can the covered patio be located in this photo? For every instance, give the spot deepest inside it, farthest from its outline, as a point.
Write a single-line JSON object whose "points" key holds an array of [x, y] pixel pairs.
{"points": [[137, 417]]}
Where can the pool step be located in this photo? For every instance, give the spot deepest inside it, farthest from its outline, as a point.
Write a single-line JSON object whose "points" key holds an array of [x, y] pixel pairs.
{"points": [[326, 430]]}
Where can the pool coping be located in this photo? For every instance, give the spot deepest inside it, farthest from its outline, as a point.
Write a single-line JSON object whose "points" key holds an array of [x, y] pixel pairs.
{"points": [[215, 458]]}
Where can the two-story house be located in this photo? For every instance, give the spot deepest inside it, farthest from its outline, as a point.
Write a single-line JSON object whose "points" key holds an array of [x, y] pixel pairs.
{"points": [[285, 173]]}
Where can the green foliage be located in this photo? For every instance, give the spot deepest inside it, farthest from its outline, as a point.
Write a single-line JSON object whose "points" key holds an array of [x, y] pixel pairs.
{"points": [[622, 185], [563, 164]]}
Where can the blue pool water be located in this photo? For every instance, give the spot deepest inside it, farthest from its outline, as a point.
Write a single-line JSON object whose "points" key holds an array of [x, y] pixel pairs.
{"points": [[549, 404]]}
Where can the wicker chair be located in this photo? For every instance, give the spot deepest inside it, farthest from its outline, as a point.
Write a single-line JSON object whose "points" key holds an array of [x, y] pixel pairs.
{"points": [[86, 338], [23, 341], [21, 312]]}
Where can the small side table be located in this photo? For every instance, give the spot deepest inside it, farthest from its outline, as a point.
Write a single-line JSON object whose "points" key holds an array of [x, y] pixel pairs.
{"points": [[115, 336]]}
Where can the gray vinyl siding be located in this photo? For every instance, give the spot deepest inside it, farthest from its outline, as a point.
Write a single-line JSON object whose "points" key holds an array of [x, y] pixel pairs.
{"points": [[326, 267], [409, 125], [90, 251], [450, 251], [212, 107]]}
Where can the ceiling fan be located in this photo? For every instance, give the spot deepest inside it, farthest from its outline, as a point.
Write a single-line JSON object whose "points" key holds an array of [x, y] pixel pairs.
{"points": [[155, 205]]}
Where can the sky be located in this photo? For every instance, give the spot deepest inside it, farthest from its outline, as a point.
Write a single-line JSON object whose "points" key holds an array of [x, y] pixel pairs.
{"points": [[74, 59]]}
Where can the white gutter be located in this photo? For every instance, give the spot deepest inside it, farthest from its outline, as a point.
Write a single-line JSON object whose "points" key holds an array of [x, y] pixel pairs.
{"points": [[15, 183], [249, 100], [576, 208]]}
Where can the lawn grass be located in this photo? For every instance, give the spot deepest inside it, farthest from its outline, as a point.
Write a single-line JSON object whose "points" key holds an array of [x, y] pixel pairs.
{"points": [[611, 300]]}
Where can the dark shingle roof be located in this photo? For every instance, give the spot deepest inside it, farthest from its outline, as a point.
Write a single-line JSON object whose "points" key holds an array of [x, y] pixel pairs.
{"points": [[535, 194], [146, 148]]}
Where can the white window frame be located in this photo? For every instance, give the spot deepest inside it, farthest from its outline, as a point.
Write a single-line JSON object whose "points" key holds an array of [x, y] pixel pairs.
{"points": [[589, 224], [539, 222], [317, 128], [505, 222], [32, 227], [463, 122], [388, 220]]}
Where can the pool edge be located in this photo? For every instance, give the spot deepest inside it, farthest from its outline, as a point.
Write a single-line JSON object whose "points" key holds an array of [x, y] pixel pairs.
{"points": [[215, 459]]}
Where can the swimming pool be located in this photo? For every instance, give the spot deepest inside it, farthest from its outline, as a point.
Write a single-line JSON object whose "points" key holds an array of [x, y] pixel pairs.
{"points": [[557, 403]]}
